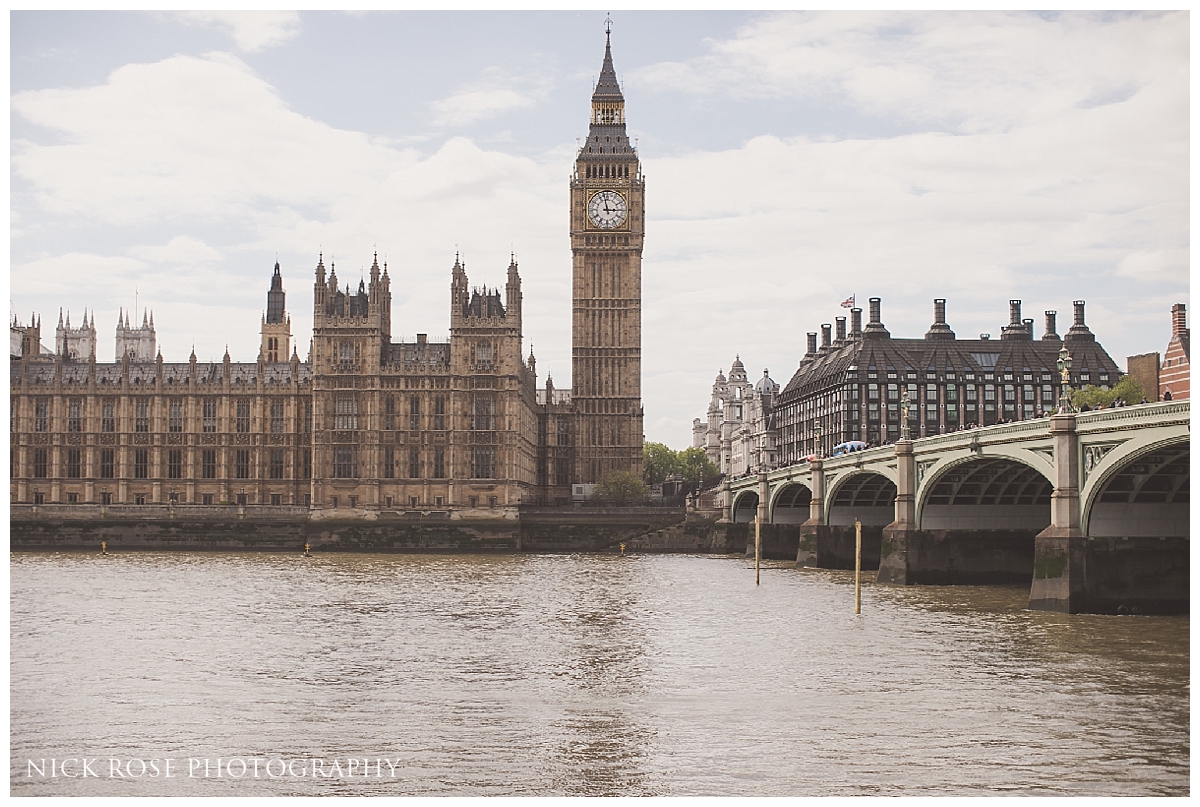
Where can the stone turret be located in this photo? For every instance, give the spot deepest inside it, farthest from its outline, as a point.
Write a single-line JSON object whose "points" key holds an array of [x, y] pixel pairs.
{"points": [[138, 343], [75, 344], [276, 324]]}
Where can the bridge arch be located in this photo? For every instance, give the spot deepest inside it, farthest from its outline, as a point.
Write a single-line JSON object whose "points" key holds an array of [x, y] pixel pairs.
{"points": [[866, 496], [790, 503], [1142, 493], [745, 507], [985, 493]]}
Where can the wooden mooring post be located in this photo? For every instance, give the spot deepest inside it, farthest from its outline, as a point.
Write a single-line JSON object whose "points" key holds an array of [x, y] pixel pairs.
{"points": [[857, 566], [757, 546]]}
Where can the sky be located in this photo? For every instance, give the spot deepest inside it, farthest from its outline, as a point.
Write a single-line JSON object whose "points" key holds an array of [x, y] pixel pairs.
{"points": [[166, 160]]}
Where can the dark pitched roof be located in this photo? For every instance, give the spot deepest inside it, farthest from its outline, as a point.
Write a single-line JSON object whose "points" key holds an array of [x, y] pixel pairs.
{"points": [[828, 366]]}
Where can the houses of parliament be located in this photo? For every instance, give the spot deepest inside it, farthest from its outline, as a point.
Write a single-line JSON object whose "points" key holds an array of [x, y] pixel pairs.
{"points": [[364, 423]]}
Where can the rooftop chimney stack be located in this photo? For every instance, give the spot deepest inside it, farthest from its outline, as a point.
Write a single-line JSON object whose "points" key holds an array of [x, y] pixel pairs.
{"points": [[875, 326], [841, 329], [1179, 319], [939, 329], [826, 329], [1051, 327], [855, 323], [1080, 329], [812, 343], [1015, 329]]}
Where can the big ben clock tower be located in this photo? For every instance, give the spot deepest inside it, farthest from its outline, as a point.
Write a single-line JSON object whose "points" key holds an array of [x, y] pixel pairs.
{"points": [[607, 230]]}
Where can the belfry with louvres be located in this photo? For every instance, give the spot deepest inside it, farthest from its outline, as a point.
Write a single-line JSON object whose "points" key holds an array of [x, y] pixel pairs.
{"points": [[364, 424]]}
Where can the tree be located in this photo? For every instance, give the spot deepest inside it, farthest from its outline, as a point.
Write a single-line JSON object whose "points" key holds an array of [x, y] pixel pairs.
{"points": [[695, 466], [659, 462], [623, 487], [1127, 389]]}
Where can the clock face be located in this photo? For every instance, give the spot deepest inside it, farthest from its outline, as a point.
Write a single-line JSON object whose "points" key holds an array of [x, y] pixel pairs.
{"points": [[607, 209]]}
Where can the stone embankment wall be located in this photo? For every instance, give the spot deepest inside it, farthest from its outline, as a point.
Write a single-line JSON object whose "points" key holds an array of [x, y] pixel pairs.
{"points": [[198, 528]]}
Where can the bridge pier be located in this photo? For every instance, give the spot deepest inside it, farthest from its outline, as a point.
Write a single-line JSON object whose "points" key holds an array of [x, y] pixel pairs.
{"points": [[1058, 553], [806, 555], [778, 541], [899, 537]]}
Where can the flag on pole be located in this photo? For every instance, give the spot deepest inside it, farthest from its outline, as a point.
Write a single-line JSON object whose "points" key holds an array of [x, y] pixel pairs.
{"points": [[848, 302]]}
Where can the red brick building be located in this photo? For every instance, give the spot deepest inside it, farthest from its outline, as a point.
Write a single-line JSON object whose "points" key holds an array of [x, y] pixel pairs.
{"points": [[1174, 376]]}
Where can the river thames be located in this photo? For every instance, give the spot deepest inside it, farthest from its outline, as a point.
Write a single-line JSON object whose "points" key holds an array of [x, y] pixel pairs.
{"points": [[572, 675]]}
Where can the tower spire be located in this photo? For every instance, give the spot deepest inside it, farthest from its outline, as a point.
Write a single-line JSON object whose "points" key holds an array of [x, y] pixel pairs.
{"points": [[607, 87]]}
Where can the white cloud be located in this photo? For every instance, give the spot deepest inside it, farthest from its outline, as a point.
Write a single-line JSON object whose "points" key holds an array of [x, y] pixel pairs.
{"points": [[198, 138], [495, 93], [59, 273], [957, 71], [182, 249], [1155, 264], [253, 31]]}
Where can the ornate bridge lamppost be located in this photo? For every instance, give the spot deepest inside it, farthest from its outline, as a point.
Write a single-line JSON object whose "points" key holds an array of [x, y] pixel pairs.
{"points": [[818, 451], [1064, 370], [905, 403]]}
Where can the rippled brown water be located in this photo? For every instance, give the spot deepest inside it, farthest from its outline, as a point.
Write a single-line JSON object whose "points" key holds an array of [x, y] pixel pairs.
{"points": [[576, 675]]}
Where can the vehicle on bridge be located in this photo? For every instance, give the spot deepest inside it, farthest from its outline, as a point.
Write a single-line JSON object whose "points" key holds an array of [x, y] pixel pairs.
{"points": [[848, 447]]}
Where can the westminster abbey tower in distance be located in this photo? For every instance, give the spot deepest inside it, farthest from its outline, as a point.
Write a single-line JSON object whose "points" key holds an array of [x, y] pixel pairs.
{"points": [[365, 424]]}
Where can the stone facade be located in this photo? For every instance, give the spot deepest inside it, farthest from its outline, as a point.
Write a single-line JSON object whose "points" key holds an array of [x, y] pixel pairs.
{"points": [[739, 435], [1144, 368], [366, 425]]}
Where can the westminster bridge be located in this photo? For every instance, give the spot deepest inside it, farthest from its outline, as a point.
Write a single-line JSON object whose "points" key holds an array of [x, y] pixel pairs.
{"points": [[1090, 507]]}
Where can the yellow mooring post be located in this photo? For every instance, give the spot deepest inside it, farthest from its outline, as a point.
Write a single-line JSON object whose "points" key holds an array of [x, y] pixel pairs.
{"points": [[759, 516], [857, 566]]}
